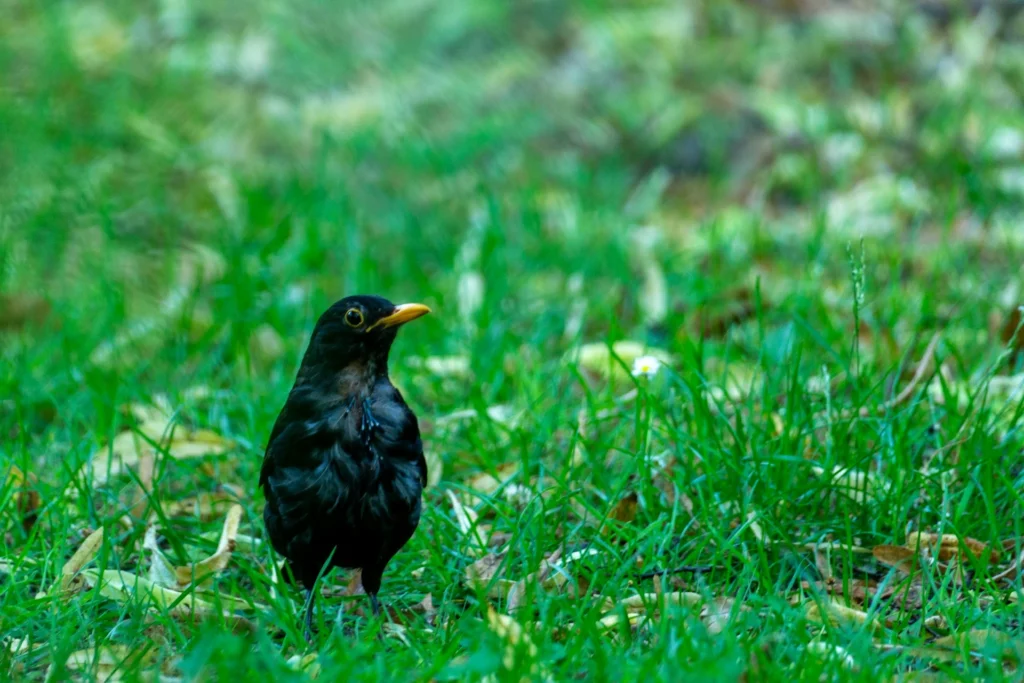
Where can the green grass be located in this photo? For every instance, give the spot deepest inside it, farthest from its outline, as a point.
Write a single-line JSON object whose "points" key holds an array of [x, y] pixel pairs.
{"points": [[773, 198]]}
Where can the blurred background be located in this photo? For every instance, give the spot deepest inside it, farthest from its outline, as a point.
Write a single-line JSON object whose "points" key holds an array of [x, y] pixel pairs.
{"points": [[185, 186], [314, 149]]}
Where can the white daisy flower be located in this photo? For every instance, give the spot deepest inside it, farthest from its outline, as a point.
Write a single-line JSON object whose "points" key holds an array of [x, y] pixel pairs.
{"points": [[518, 495], [646, 366]]}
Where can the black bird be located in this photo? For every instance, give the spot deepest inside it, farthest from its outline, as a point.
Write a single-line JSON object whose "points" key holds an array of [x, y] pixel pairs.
{"points": [[343, 473]]}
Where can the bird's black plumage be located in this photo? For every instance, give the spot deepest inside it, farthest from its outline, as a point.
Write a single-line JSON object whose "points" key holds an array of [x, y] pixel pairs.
{"points": [[343, 473]]}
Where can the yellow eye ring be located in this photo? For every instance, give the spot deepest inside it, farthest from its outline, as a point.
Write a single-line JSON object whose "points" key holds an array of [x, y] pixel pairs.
{"points": [[353, 317]]}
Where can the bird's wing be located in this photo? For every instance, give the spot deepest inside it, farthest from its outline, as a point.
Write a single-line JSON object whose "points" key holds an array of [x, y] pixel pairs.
{"points": [[410, 437], [306, 474]]}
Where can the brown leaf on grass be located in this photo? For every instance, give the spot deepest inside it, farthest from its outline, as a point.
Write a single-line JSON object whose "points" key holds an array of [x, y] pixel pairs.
{"points": [[162, 572], [207, 506], [900, 557], [948, 546], [482, 573], [426, 607], [517, 592], [649, 605], [27, 500], [155, 434], [217, 562], [70, 578], [625, 510], [126, 588]]}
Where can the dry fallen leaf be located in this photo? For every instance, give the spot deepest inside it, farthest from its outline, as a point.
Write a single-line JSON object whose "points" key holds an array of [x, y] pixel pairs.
{"points": [[948, 546], [482, 573], [980, 640], [625, 510], [646, 605], [125, 587], [644, 602], [207, 506], [517, 593], [156, 434], [164, 573], [837, 614], [70, 579], [108, 663], [26, 499], [219, 560], [897, 556]]}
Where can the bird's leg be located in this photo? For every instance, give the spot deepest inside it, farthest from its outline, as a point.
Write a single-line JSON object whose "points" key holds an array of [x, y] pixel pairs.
{"points": [[310, 600], [371, 584]]}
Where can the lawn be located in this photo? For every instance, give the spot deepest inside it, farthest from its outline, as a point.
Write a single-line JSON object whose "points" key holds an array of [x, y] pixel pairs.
{"points": [[722, 381]]}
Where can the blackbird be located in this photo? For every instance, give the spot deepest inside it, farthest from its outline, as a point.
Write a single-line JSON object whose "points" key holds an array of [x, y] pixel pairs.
{"points": [[343, 472]]}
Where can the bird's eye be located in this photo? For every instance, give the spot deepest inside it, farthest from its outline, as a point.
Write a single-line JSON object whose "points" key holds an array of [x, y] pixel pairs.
{"points": [[353, 317]]}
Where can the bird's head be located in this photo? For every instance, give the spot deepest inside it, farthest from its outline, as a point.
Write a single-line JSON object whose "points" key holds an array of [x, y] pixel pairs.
{"points": [[358, 331]]}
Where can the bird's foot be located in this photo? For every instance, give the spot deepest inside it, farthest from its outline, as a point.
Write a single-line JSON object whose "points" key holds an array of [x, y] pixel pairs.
{"points": [[375, 604]]}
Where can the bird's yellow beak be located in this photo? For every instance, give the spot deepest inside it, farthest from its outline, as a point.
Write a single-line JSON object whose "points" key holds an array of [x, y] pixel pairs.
{"points": [[401, 315]]}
